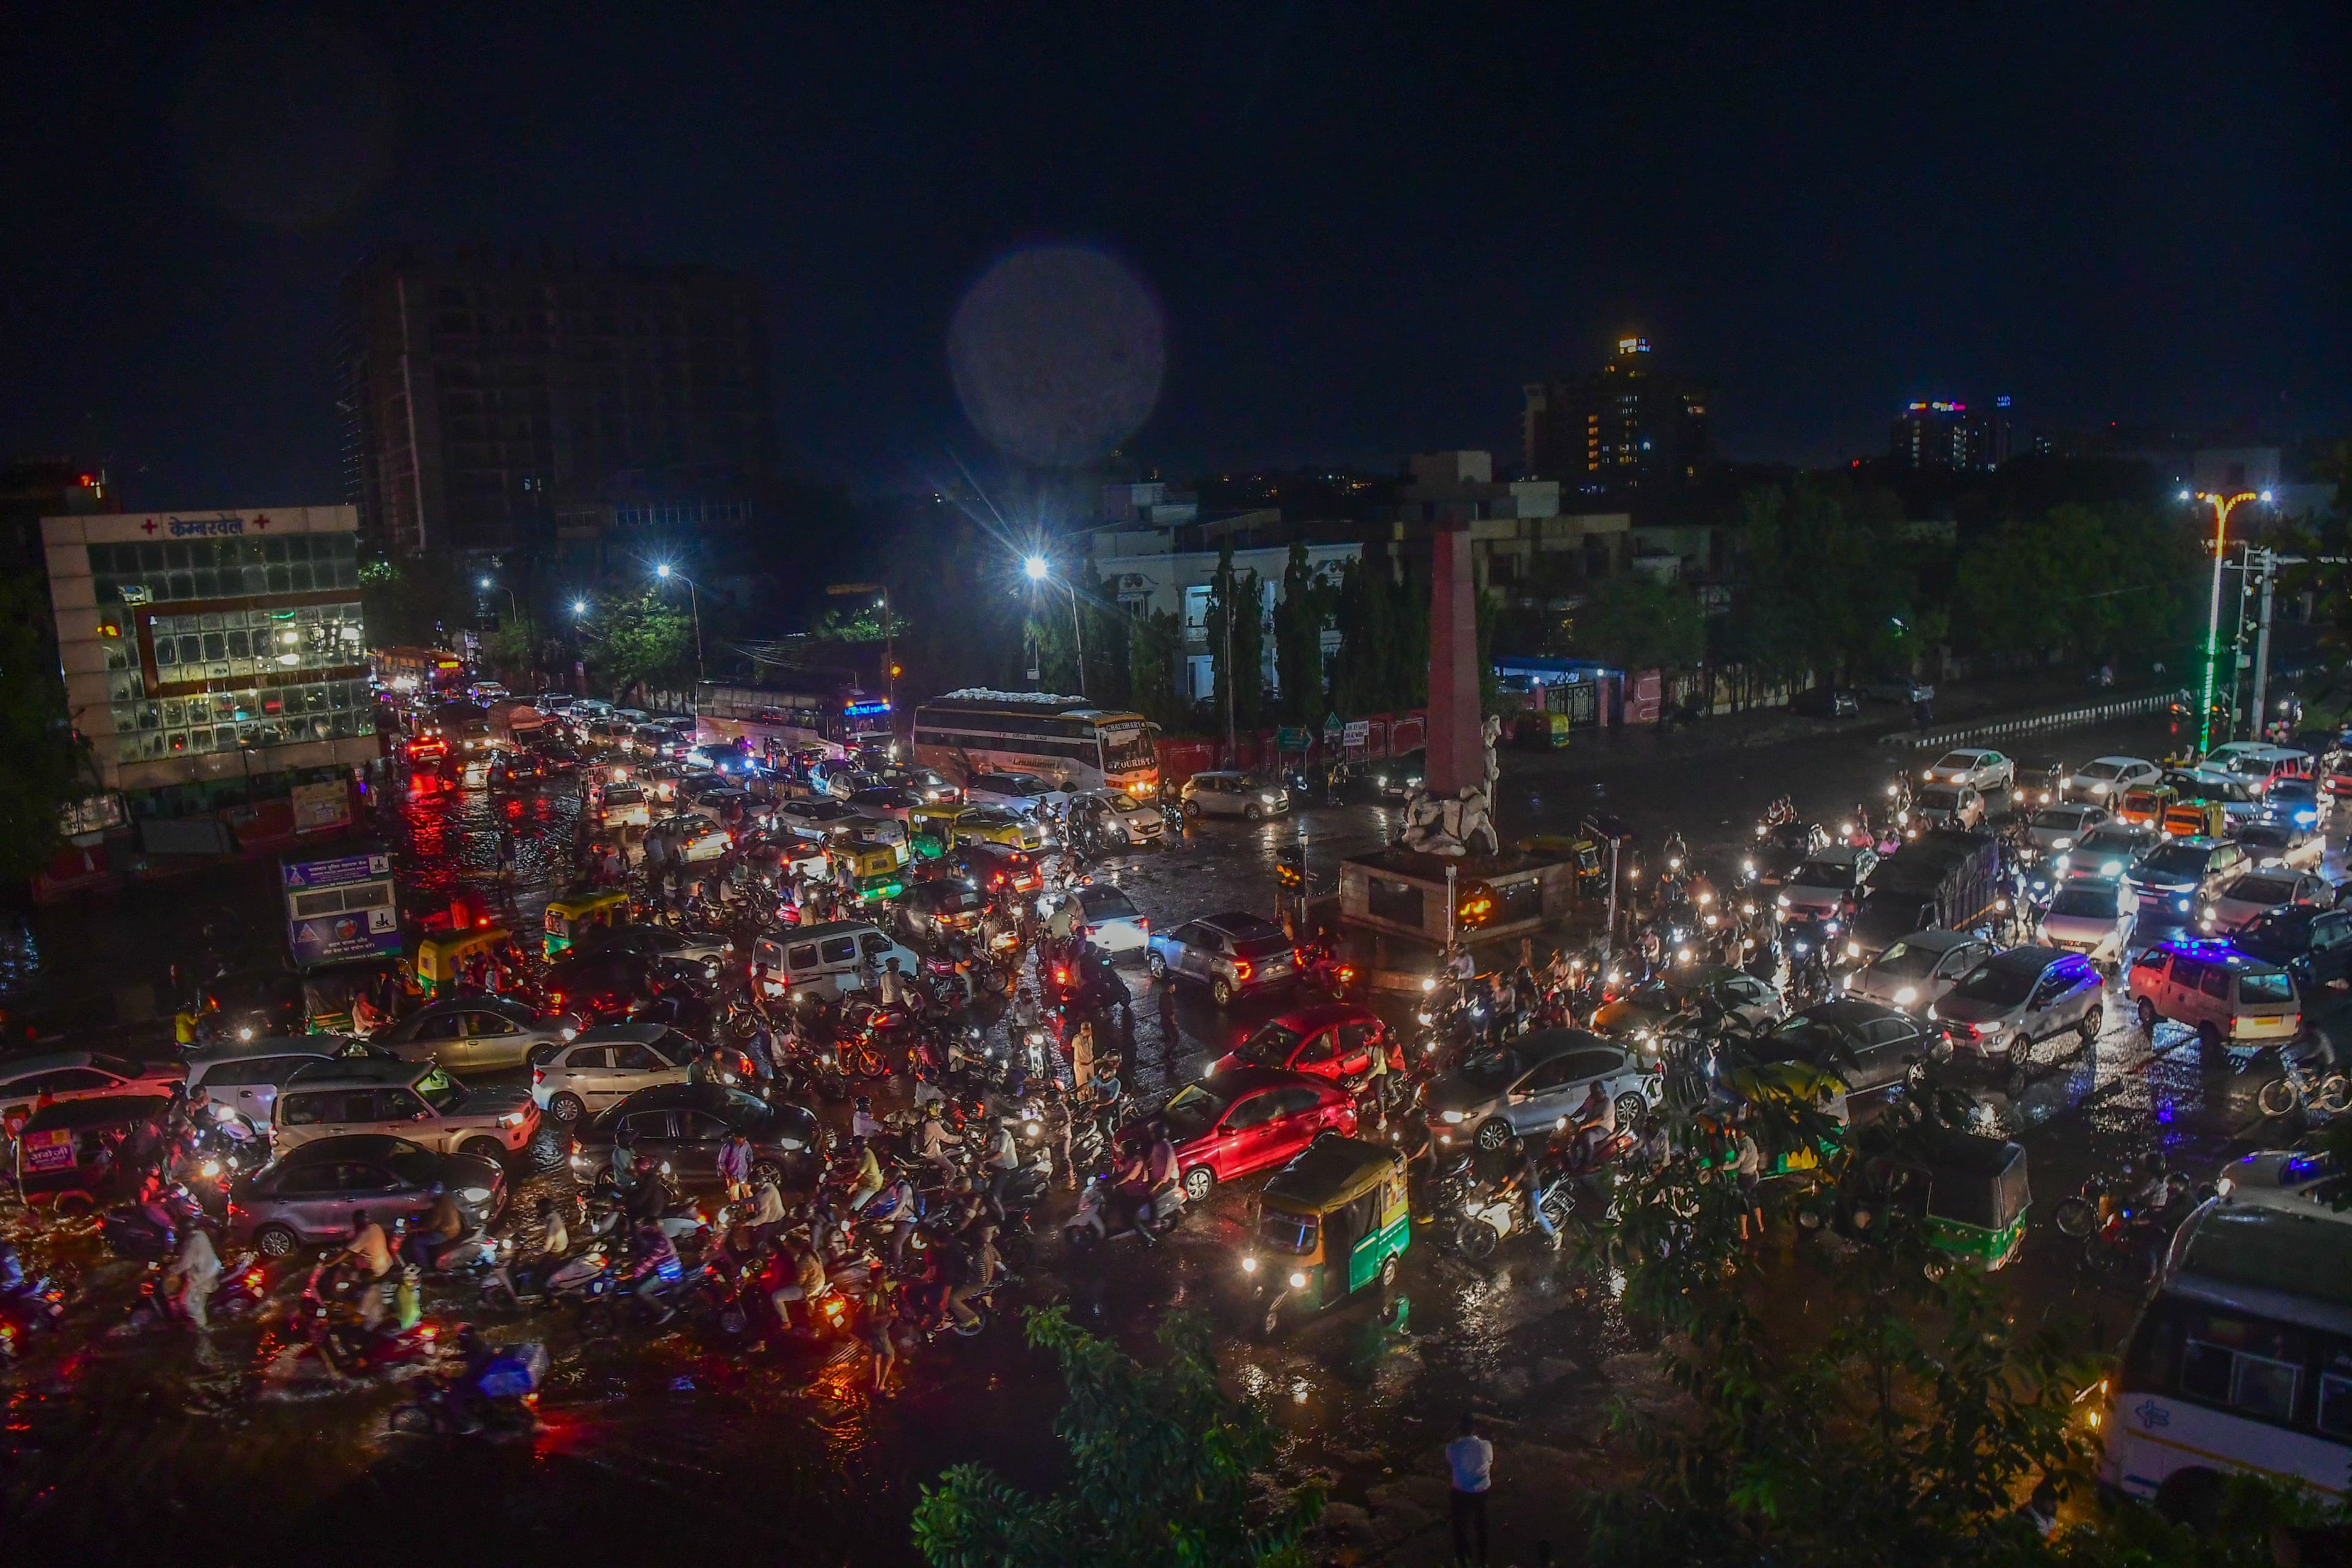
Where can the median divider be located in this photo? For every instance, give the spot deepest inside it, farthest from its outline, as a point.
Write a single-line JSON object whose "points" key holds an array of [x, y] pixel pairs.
{"points": [[2063, 719]]}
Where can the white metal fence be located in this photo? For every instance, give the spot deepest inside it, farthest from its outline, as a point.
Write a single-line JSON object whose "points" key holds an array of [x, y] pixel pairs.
{"points": [[2064, 719]]}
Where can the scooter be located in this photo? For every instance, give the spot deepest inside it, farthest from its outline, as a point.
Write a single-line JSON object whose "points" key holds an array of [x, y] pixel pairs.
{"points": [[37, 1309], [502, 1397], [1098, 1219]]}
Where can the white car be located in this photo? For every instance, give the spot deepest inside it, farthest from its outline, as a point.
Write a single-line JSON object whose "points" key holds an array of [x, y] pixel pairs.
{"points": [[1912, 974], [2110, 850], [2239, 902], [814, 819], [2055, 829], [81, 1075], [1114, 815], [2107, 779], [2292, 1181], [1113, 923], [2093, 915], [1978, 770], [695, 837], [1024, 793], [605, 1066]]}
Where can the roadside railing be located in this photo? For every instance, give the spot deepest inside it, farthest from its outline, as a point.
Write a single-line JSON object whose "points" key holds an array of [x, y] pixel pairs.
{"points": [[2063, 719]]}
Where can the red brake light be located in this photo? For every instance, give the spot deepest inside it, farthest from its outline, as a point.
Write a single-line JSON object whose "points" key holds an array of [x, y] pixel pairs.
{"points": [[254, 1277], [1244, 969]]}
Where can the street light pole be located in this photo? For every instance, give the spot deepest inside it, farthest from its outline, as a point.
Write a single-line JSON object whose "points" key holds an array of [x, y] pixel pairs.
{"points": [[2223, 507], [1037, 569], [693, 604]]}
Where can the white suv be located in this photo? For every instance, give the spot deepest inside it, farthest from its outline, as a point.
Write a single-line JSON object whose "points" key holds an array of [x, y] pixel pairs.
{"points": [[421, 1103]]}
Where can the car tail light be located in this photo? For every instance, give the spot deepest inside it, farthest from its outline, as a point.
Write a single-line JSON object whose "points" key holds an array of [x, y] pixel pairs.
{"points": [[253, 1278], [538, 1077], [1298, 957], [1242, 969]]}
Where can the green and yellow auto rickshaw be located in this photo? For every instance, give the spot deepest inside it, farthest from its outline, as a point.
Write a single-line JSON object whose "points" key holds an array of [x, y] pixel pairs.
{"points": [[931, 830], [441, 955], [1329, 1223], [569, 916], [1971, 1194], [868, 873]]}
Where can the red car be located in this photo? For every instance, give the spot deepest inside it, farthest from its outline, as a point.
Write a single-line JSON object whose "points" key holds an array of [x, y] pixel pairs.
{"points": [[1231, 1123], [1334, 1041]]}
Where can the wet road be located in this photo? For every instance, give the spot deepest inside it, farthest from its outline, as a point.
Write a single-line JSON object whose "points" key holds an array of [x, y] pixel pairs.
{"points": [[668, 1441]]}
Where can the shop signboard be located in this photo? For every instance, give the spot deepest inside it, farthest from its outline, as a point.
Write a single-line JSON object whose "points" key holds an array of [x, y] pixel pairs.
{"points": [[340, 910]]}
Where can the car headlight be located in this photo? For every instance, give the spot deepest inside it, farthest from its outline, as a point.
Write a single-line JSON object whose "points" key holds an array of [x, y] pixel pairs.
{"points": [[579, 1161], [1781, 902], [2111, 868], [1298, 1282], [2062, 844], [2181, 904], [1452, 1118], [2062, 862], [512, 1118], [1267, 799], [2098, 788], [1249, 1265], [1905, 997]]}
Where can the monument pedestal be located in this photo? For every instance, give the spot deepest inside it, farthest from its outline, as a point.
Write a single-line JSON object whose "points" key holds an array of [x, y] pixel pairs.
{"points": [[1411, 904]]}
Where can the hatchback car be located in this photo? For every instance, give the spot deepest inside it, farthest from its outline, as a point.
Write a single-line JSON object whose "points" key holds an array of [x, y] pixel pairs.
{"points": [[1230, 953], [1913, 974], [1334, 1041], [605, 1066], [1525, 1088], [2294, 801], [309, 1196], [1100, 819], [2093, 916], [682, 1125], [926, 784], [997, 871], [1869, 1049], [1946, 805], [1230, 1124], [940, 906], [474, 1034], [622, 806], [1113, 923], [2170, 880], [2242, 898], [1715, 995], [2270, 846], [1830, 882], [692, 838], [2055, 829], [2102, 781], [885, 800], [2110, 850], [81, 1075], [1977, 768], [2019, 997], [422, 1103], [1244, 795]]}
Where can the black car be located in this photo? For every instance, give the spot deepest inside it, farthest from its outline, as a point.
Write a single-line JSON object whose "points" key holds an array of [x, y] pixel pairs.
{"points": [[1384, 779], [937, 907], [2315, 945], [1870, 1047], [254, 1005], [307, 1197], [1825, 702], [682, 1125], [1783, 848]]}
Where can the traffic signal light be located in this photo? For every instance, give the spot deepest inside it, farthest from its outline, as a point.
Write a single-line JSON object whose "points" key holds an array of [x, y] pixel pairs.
{"points": [[1290, 868]]}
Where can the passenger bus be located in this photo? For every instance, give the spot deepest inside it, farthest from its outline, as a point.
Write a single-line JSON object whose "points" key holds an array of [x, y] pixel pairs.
{"points": [[1066, 738], [2243, 1359], [419, 672], [776, 721]]}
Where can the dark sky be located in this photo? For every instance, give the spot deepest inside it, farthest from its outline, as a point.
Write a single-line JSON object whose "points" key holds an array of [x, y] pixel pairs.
{"points": [[1364, 226]]}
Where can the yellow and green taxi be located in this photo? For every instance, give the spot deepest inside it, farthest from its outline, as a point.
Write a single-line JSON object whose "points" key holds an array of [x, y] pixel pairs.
{"points": [[441, 955], [569, 916], [869, 873], [1329, 1223], [994, 824]]}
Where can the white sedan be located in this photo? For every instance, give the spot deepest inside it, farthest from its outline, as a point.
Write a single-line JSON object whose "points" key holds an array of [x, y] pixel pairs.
{"points": [[2105, 780], [2242, 900], [1113, 923], [1978, 770], [2094, 916], [2292, 1181]]}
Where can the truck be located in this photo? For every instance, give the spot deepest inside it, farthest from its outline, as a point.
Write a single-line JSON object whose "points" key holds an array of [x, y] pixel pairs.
{"points": [[1947, 880]]}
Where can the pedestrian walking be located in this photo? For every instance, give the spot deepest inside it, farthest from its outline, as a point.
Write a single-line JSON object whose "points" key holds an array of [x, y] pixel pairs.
{"points": [[1471, 1459], [1747, 1168], [735, 1166], [1170, 1034], [1082, 1058]]}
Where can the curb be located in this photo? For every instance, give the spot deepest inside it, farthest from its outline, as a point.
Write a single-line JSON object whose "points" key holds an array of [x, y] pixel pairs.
{"points": [[2063, 719]]}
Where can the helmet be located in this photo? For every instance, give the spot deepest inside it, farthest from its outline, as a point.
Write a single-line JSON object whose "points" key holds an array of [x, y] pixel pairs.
{"points": [[862, 1102]]}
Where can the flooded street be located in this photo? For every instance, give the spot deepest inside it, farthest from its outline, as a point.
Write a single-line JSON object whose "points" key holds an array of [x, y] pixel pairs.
{"points": [[123, 1446]]}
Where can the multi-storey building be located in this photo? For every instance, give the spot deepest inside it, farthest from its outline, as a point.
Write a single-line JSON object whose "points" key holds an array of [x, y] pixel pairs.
{"points": [[1625, 425]]}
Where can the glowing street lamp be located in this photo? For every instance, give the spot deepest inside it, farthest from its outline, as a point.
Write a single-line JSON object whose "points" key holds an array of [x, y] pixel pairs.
{"points": [[663, 571], [579, 606], [2223, 507], [1037, 569]]}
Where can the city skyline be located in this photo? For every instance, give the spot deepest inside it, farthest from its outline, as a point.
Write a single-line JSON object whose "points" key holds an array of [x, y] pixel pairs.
{"points": [[1340, 269]]}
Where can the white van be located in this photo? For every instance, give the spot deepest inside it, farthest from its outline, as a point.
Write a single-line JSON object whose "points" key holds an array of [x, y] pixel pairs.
{"points": [[2243, 1360], [825, 962]]}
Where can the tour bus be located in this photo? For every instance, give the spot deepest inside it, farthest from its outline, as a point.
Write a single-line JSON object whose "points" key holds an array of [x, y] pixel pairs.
{"points": [[419, 672], [2243, 1359], [776, 721], [1066, 738]]}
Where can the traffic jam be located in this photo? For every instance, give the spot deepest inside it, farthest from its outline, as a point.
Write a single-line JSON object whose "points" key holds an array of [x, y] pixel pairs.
{"points": [[796, 1033]]}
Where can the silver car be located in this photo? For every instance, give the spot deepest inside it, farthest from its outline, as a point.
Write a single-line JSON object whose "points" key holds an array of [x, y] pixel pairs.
{"points": [[2055, 829], [2093, 916], [245, 1076], [1230, 953], [2018, 997], [1526, 1088], [308, 1196], [475, 1034], [1244, 795], [1912, 974]]}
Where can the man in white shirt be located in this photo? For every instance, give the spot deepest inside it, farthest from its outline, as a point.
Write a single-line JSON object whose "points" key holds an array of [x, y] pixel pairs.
{"points": [[1471, 1459]]}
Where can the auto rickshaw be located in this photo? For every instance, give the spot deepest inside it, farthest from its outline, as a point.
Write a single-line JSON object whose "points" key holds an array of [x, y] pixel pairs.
{"points": [[1331, 1222], [932, 831], [440, 955], [1541, 731], [868, 873], [1781, 1091], [2145, 805], [994, 824], [1971, 1193], [872, 833], [2196, 819], [71, 1154], [569, 916]]}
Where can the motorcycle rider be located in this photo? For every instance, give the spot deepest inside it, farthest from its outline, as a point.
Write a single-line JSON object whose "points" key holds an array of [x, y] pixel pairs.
{"points": [[808, 1282], [653, 1262], [932, 1140], [868, 1179], [896, 1210], [863, 1123], [13, 1287], [441, 1230], [371, 1254], [191, 1277], [1003, 1164]]}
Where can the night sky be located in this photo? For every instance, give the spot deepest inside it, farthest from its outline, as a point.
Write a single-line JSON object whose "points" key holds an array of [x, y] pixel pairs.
{"points": [[1363, 226]]}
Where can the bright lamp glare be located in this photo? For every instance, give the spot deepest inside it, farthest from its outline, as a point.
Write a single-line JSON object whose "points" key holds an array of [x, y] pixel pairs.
{"points": [[662, 570], [1034, 566], [485, 582], [579, 606]]}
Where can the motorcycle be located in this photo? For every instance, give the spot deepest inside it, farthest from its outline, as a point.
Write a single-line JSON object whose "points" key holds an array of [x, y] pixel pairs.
{"points": [[39, 1308], [1473, 1221], [242, 1285], [151, 1229], [501, 1397], [1100, 1218]]}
